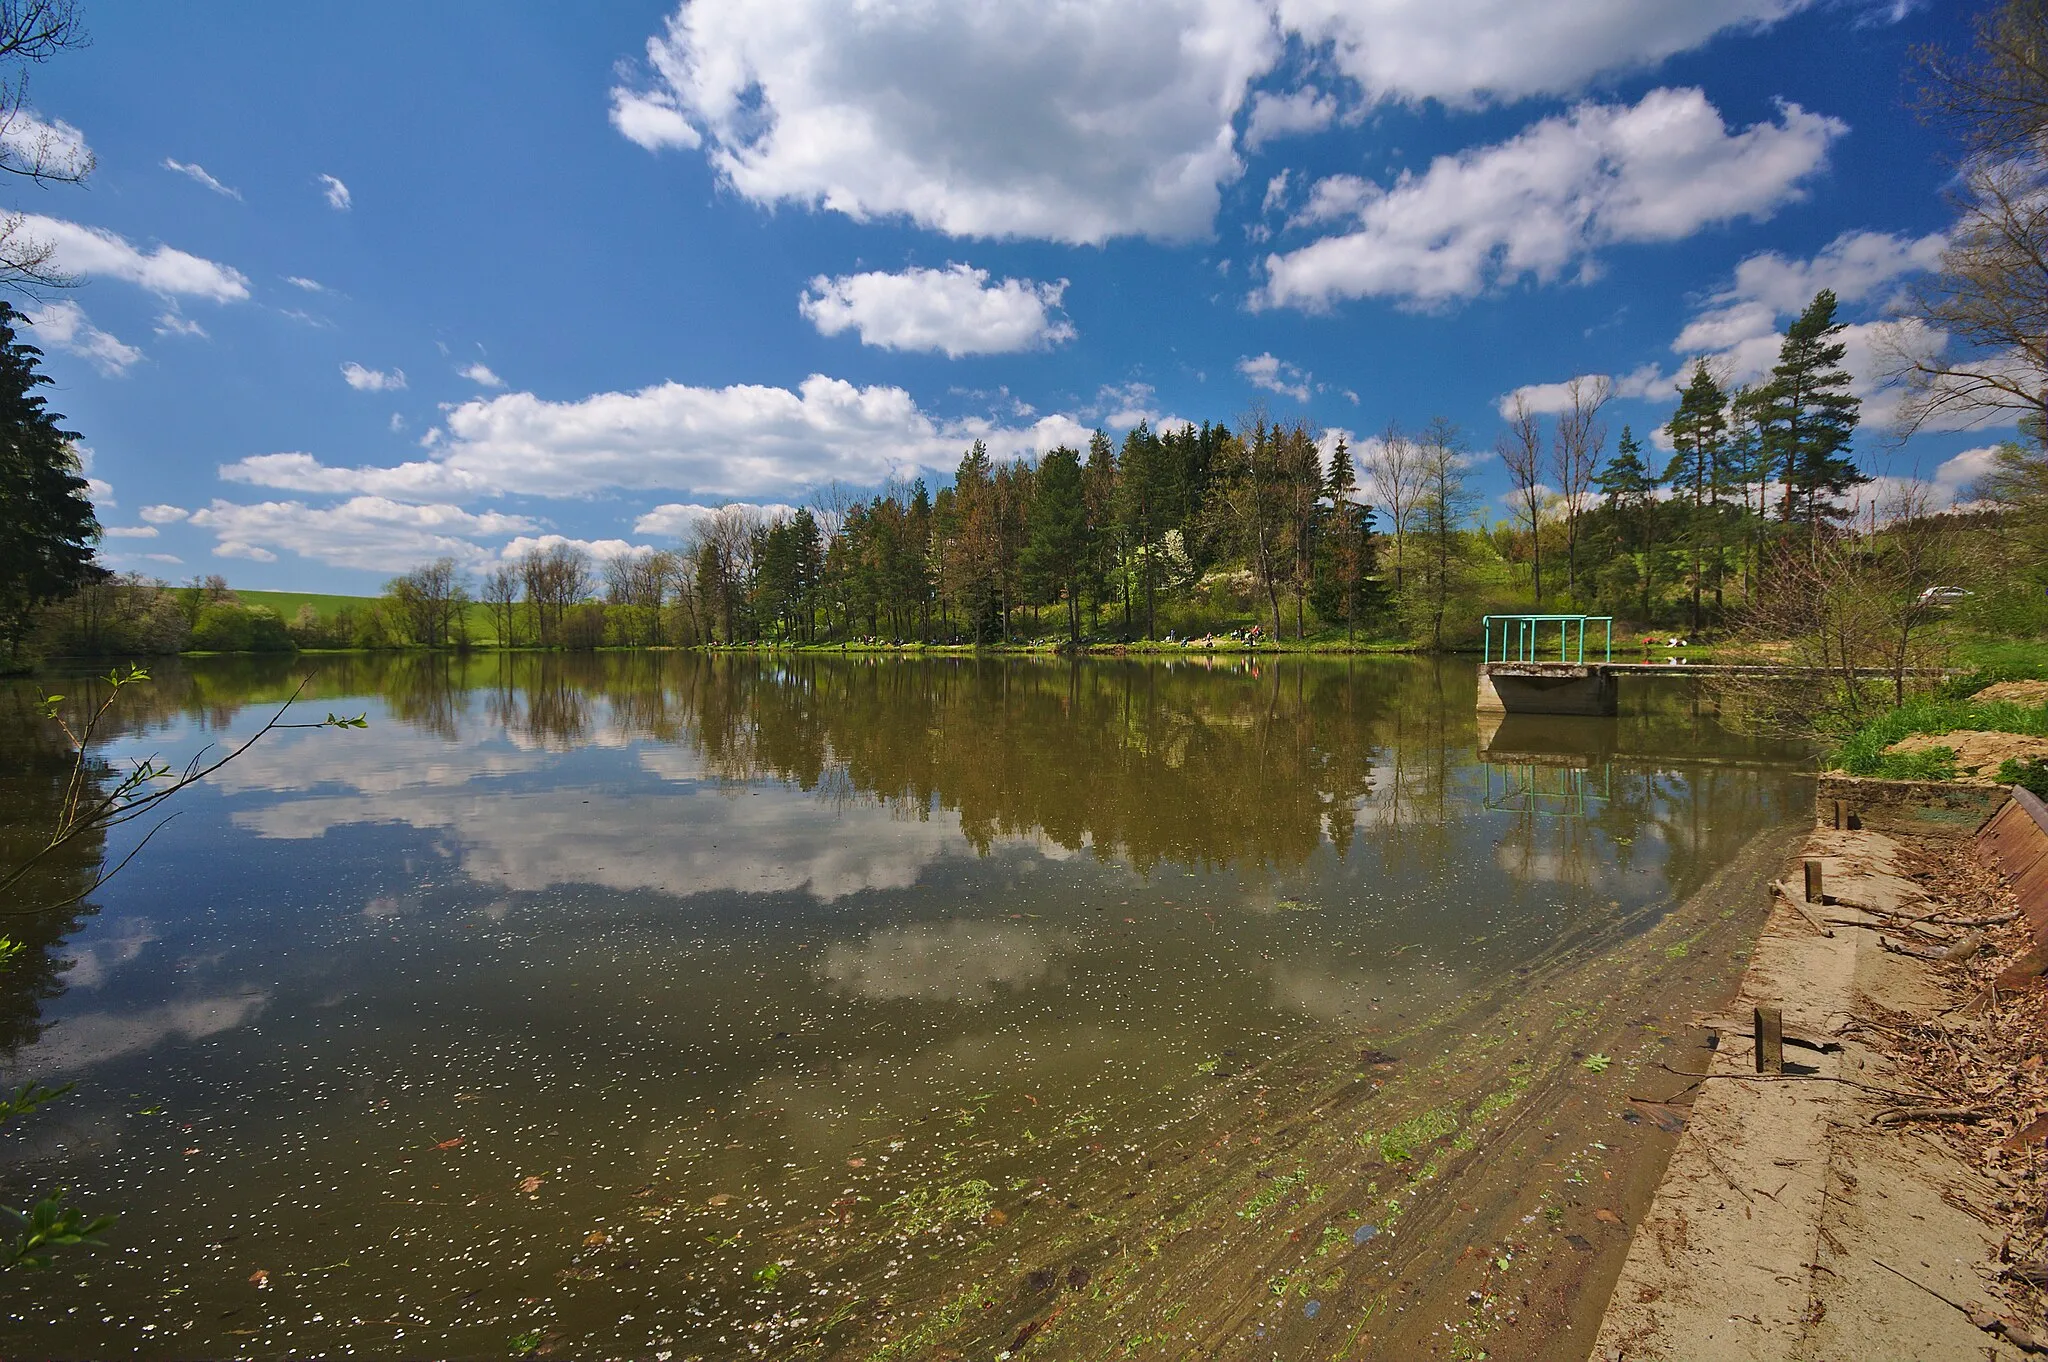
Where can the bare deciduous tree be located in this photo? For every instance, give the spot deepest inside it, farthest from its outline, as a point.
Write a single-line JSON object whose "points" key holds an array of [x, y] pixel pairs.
{"points": [[1850, 603], [1394, 472], [44, 153], [555, 578], [1990, 296], [1574, 456], [429, 605], [1988, 302], [1521, 452], [500, 591]]}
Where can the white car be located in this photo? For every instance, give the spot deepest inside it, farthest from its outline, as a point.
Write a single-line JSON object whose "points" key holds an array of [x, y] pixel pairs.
{"points": [[1943, 595]]}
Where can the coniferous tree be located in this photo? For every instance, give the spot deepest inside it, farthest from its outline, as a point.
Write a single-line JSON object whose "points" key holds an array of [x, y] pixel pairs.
{"points": [[1697, 429], [1630, 490], [46, 551], [1056, 554], [1808, 416]]}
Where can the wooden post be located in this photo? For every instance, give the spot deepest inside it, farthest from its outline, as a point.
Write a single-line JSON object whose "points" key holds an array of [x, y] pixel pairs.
{"points": [[1770, 1040], [1841, 816], [1813, 886]]}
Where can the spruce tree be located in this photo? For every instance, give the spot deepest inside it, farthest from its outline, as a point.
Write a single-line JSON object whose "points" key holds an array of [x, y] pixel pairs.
{"points": [[1808, 416], [1056, 554], [1697, 429], [1631, 493], [47, 549]]}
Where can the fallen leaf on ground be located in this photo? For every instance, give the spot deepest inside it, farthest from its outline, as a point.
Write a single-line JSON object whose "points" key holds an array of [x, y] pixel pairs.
{"points": [[260, 1277], [529, 1184], [856, 1163], [596, 1237], [450, 1144], [1606, 1216], [720, 1199]]}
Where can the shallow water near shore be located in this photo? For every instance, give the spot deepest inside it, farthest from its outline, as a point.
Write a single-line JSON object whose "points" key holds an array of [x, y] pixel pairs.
{"points": [[664, 1005]]}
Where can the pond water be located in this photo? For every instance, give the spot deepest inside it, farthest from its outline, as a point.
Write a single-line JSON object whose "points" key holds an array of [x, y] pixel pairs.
{"points": [[674, 1006]]}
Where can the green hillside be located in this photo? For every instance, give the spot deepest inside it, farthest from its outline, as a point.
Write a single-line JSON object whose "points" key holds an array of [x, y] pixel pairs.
{"points": [[288, 603]]}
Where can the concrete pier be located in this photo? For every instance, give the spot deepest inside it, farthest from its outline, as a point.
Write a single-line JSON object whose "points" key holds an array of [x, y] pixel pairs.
{"points": [[1548, 688]]}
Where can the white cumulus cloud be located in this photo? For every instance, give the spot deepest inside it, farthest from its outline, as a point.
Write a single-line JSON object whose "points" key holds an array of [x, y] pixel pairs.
{"points": [[955, 310], [161, 269], [336, 193], [1280, 115], [51, 147], [163, 514], [1275, 376], [743, 441], [363, 532], [1073, 122], [63, 325], [652, 121], [197, 174], [678, 520], [1092, 119], [372, 380], [480, 374], [1540, 204], [1472, 52], [603, 550]]}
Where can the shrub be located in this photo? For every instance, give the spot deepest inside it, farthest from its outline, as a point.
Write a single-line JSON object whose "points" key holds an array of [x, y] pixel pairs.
{"points": [[227, 628]]}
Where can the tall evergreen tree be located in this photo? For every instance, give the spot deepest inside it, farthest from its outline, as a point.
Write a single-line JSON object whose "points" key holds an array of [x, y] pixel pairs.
{"points": [[1809, 416], [1056, 554], [1630, 490], [1697, 429], [47, 548]]}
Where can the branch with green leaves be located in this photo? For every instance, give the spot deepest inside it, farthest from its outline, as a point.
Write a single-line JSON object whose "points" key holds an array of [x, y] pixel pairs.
{"points": [[86, 807]]}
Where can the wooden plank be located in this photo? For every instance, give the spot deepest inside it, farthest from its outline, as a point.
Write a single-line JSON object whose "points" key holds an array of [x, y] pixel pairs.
{"points": [[1815, 893], [2014, 842]]}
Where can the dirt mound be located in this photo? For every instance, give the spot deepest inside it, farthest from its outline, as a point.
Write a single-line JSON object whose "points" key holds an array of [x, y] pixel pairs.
{"points": [[1977, 753], [2019, 692]]}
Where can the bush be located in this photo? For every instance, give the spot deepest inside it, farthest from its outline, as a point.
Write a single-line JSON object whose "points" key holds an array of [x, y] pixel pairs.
{"points": [[2031, 774], [583, 626], [121, 616], [240, 629]]}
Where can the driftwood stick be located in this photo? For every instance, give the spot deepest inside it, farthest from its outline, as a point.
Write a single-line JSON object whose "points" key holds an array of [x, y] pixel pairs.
{"points": [[2021, 1337], [1800, 906], [1894, 1116]]}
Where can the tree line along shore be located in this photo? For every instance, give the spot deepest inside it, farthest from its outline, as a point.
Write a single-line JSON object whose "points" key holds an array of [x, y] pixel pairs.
{"points": [[1253, 536]]}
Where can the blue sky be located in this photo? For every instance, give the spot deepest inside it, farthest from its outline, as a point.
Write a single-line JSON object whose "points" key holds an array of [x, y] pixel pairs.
{"points": [[365, 287]]}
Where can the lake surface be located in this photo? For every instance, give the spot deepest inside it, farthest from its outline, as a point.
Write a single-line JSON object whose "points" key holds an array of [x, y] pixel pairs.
{"points": [[675, 1006]]}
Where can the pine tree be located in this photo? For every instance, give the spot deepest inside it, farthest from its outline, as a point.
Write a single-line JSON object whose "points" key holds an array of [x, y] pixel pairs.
{"points": [[1631, 493], [47, 550], [1056, 554], [1809, 416], [1698, 429]]}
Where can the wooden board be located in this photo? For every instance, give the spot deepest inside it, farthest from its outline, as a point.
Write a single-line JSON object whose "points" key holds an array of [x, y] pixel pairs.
{"points": [[2014, 842]]}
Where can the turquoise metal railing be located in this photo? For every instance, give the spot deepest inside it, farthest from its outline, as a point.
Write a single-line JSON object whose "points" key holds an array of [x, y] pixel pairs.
{"points": [[1521, 638]]}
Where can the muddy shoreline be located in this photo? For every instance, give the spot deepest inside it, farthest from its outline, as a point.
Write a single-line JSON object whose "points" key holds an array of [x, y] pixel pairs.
{"points": [[1459, 1188]]}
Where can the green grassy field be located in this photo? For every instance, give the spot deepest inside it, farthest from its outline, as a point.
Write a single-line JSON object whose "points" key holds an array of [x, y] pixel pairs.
{"points": [[288, 603]]}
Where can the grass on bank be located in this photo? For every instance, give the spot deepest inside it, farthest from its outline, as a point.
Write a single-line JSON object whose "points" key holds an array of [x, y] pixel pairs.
{"points": [[1952, 708]]}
